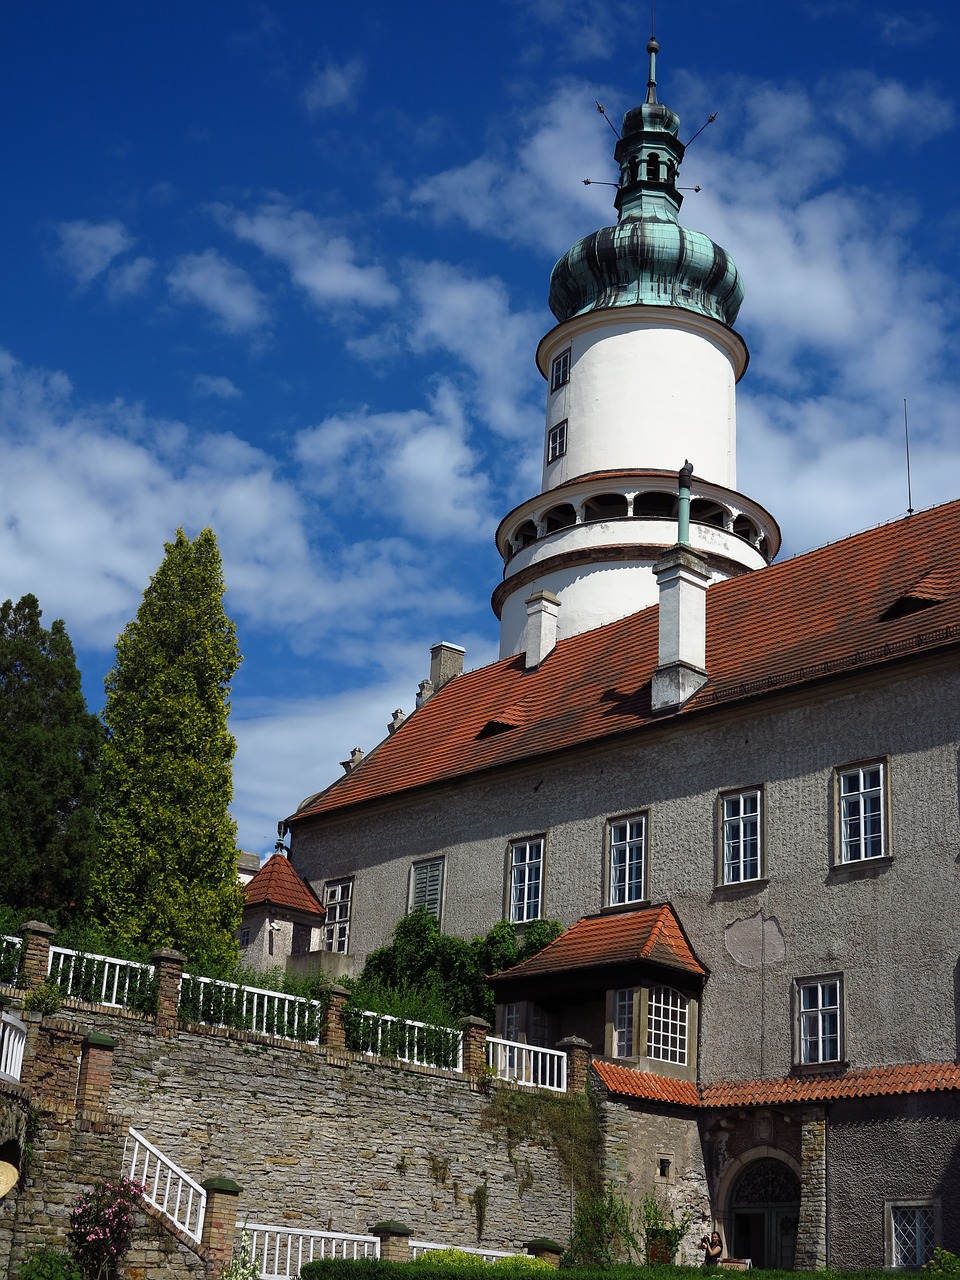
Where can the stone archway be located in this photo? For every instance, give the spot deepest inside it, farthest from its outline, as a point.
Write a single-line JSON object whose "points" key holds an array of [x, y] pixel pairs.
{"points": [[764, 1212]]}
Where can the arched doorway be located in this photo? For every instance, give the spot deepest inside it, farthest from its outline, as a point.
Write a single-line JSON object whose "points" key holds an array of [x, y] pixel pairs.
{"points": [[764, 1212]]}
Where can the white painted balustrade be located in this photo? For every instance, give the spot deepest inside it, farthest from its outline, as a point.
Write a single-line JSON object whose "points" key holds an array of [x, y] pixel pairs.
{"points": [[226, 1004], [9, 958], [420, 1247], [170, 1190], [99, 979], [527, 1064], [279, 1252], [384, 1036], [13, 1037]]}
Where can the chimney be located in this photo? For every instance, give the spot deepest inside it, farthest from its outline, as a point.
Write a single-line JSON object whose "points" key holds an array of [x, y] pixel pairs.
{"points": [[683, 578], [424, 693], [446, 661], [396, 720], [356, 755], [540, 632]]}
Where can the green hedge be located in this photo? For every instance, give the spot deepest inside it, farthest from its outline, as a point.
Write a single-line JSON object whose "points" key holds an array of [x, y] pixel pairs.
{"points": [[379, 1269]]}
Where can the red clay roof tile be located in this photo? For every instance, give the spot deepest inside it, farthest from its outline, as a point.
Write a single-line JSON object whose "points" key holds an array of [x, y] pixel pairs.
{"points": [[786, 625], [277, 882], [867, 1082], [653, 934]]}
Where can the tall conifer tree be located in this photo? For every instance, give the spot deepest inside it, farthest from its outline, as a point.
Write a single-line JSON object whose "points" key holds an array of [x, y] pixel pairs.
{"points": [[166, 874], [49, 743]]}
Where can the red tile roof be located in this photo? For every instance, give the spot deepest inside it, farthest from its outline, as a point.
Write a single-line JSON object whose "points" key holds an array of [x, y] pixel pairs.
{"points": [[653, 934], [780, 627], [277, 883], [867, 1082]]}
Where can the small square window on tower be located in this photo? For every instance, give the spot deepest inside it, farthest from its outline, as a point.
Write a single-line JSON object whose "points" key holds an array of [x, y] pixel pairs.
{"points": [[557, 441], [560, 370]]}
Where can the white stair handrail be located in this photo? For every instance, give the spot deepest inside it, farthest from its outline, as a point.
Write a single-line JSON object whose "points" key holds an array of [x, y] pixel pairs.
{"points": [[170, 1190]]}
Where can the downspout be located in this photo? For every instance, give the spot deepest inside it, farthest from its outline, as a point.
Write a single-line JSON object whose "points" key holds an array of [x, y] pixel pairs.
{"points": [[683, 506]]}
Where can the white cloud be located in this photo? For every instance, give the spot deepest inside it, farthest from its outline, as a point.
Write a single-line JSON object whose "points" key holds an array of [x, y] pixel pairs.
{"points": [[321, 261], [907, 28], [415, 465], [128, 279], [334, 85], [205, 384], [87, 248], [222, 287], [873, 110]]}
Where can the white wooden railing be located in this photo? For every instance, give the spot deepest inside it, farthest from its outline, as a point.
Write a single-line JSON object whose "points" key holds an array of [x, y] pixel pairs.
{"points": [[280, 1252], [170, 1190], [13, 1036], [384, 1036], [105, 980], [9, 958], [420, 1247], [226, 1004], [527, 1064]]}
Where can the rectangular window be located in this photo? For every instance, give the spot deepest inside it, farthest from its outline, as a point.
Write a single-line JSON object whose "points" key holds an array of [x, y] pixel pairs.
{"points": [[742, 845], [667, 1025], [861, 813], [557, 441], [623, 1023], [245, 936], [338, 900], [560, 370], [512, 1022], [913, 1234], [819, 1027], [526, 879], [427, 886], [628, 851]]}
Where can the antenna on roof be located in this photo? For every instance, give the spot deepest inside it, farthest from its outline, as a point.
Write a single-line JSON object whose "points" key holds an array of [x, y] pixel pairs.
{"points": [[906, 440], [603, 112]]}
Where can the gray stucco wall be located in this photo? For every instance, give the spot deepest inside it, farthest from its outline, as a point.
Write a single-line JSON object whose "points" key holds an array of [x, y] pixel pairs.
{"points": [[890, 1149], [880, 924]]}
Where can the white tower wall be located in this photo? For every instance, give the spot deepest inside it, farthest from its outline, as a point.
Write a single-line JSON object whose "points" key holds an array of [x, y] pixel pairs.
{"points": [[647, 387]]}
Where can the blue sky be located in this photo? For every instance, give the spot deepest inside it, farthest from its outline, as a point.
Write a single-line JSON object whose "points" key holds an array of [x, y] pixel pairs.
{"points": [[281, 269]]}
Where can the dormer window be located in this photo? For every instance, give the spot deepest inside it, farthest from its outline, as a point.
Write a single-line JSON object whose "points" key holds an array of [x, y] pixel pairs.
{"points": [[557, 441], [560, 370]]}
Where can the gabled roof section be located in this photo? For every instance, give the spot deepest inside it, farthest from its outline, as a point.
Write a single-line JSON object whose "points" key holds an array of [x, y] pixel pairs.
{"points": [[653, 935], [782, 627], [277, 883], [868, 1082]]}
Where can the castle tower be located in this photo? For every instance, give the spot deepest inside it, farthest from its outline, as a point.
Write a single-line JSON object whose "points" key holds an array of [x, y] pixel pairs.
{"points": [[641, 374]]}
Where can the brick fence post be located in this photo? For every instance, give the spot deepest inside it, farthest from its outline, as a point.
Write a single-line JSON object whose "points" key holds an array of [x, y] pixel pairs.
{"points": [[335, 1032], [220, 1220], [546, 1250], [578, 1062], [394, 1241], [168, 968], [35, 953], [811, 1248], [474, 1046], [96, 1070]]}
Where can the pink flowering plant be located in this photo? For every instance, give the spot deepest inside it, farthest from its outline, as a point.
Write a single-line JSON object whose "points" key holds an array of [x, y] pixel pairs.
{"points": [[101, 1226]]}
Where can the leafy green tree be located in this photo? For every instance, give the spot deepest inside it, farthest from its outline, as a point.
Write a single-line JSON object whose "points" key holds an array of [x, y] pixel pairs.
{"points": [[49, 744], [445, 973], [166, 874]]}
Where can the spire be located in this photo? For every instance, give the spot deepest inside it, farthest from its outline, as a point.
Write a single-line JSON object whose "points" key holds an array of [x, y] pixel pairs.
{"points": [[653, 49]]}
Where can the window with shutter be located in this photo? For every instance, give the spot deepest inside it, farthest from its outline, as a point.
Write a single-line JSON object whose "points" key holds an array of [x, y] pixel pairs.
{"points": [[428, 886]]}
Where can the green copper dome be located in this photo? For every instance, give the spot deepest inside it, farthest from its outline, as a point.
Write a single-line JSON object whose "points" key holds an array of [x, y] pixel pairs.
{"points": [[648, 258]]}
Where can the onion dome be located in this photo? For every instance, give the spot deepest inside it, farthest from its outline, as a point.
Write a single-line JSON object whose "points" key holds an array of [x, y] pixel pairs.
{"points": [[647, 259]]}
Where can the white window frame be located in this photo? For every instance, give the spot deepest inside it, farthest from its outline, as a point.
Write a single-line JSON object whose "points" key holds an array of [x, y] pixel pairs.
{"points": [[820, 1020], [862, 811], [525, 884], [624, 1022], [741, 836], [557, 441], [560, 370], [338, 902], [627, 859], [896, 1215], [667, 1025], [422, 894]]}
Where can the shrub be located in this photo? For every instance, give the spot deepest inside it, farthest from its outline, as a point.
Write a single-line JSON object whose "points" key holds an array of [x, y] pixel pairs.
{"points": [[48, 1265], [101, 1226], [44, 998], [943, 1260]]}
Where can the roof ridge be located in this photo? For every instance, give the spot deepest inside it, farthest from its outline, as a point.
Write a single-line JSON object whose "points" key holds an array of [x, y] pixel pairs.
{"points": [[658, 928]]}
